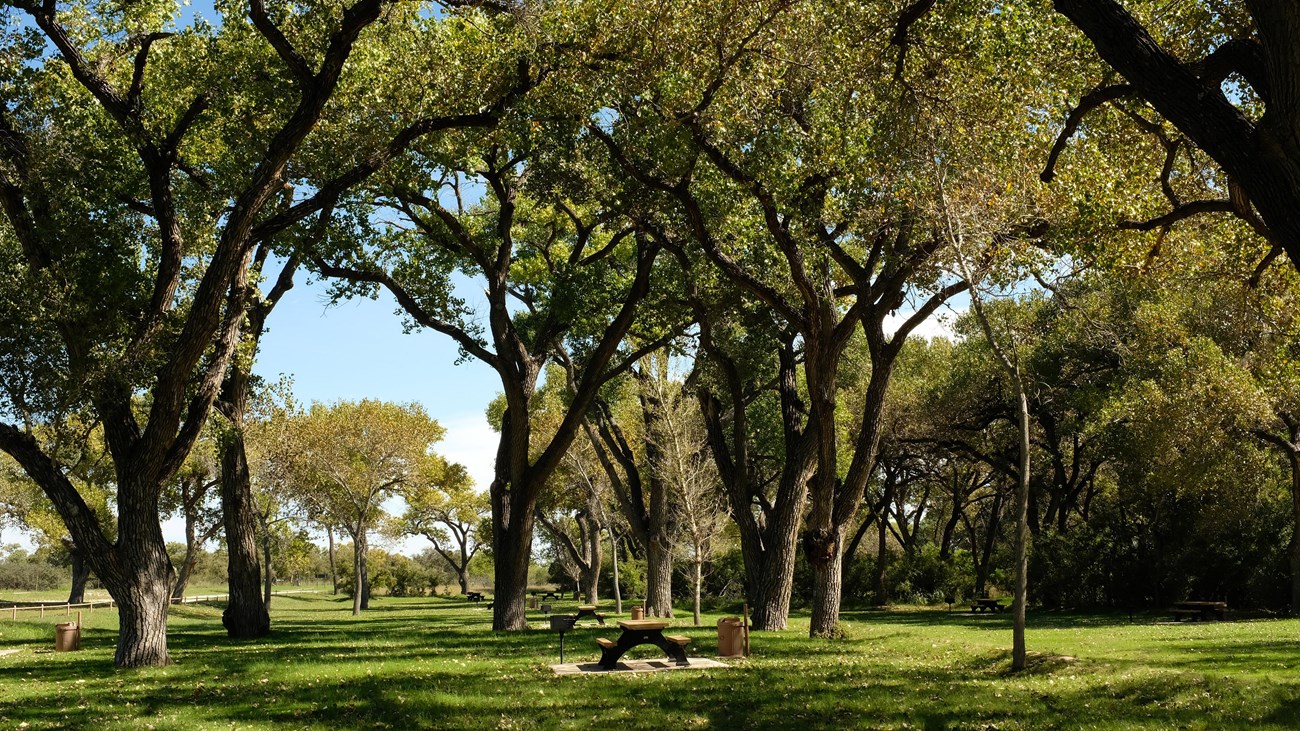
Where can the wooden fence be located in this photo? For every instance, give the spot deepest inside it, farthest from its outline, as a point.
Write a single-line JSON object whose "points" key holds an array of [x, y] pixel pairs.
{"points": [[65, 609]]}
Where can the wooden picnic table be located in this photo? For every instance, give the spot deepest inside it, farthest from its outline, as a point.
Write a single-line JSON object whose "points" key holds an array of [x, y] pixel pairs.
{"points": [[988, 605], [589, 610], [641, 632], [474, 596], [1195, 610]]}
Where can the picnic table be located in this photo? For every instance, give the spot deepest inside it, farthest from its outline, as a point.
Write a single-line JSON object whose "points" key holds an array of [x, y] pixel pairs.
{"points": [[1200, 610], [589, 610], [988, 605], [641, 632], [474, 596]]}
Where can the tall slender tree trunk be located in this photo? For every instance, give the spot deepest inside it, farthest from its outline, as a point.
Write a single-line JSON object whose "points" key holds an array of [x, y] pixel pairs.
{"points": [[699, 582], [882, 558], [268, 576], [334, 570], [618, 592], [1018, 651], [358, 562], [1294, 548]]}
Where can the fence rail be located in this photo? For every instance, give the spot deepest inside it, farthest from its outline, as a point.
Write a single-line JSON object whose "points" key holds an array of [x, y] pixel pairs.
{"points": [[11, 612]]}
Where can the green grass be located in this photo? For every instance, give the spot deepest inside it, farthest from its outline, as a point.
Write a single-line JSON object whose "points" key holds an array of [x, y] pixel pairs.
{"points": [[434, 663]]}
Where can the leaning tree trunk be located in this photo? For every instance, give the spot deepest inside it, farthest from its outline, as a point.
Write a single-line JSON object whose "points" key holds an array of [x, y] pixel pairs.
{"points": [[80, 574], [462, 576], [191, 556]]}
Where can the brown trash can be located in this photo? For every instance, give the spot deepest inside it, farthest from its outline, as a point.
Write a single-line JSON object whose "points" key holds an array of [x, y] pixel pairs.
{"points": [[67, 637], [638, 612], [731, 637], [532, 602]]}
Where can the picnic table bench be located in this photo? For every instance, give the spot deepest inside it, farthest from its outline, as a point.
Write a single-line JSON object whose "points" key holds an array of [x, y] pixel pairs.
{"points": [[988, 605], [1200, 610], [589, 610], [641, 632]]}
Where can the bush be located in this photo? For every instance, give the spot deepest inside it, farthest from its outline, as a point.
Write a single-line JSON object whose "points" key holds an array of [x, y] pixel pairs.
{"points": [[30, 576]]}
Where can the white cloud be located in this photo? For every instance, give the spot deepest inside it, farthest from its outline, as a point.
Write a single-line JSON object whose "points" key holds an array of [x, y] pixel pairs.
{"points": [[471, 442]]}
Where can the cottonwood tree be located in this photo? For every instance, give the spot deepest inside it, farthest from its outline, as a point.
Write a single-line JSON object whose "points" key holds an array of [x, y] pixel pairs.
{"points": [[441, 505], [559, 272], [349, 458], [171, 163]]}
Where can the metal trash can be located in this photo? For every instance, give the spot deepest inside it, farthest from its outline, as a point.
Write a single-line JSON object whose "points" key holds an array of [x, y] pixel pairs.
{"points": [[731, 637], [67, 637], [638, 612]]}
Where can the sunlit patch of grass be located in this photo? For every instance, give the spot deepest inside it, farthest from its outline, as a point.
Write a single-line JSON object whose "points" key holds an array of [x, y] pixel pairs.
{"points": [[435, 663]]}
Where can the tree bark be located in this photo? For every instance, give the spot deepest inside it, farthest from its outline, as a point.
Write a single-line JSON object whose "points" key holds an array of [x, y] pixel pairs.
{"points": [[699, 582], [1018, 651], [80, 574], [269, 574], [358, 561], [659, 577], [618, 592], [334, 571]]}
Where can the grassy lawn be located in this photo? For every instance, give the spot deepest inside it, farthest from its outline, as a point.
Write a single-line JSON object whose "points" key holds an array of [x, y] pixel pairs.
{"points": [[434, 663]]}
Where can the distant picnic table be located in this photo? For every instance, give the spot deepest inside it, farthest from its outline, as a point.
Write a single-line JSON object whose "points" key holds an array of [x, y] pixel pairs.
{"points": [[988, 605], [1200, 610], [474, 596], [641, 632], [589, 610]]}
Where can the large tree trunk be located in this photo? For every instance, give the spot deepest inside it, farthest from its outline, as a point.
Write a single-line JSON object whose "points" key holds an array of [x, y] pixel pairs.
{"points": [[142, 589], [462, 575], [659, 577], [512, 544], [247, 614], [80, 573], [825, 555]]}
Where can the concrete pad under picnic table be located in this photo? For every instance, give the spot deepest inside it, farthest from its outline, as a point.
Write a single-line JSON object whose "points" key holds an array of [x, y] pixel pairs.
{"points": [[636, 666]]}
